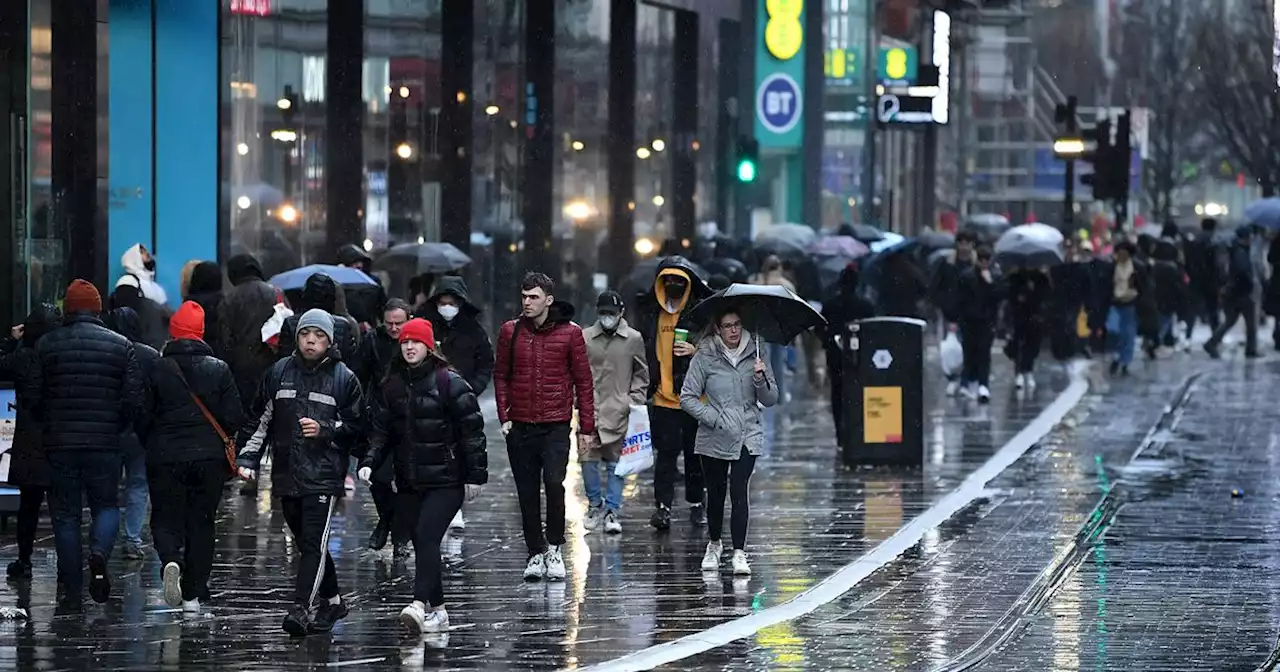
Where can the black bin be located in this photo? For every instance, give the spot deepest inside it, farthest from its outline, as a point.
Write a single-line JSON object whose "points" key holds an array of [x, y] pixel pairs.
{"points": [[883, 399]]}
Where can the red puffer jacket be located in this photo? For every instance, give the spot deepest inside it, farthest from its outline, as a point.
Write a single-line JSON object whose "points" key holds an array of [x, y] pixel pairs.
{"points": [[550, 370]]}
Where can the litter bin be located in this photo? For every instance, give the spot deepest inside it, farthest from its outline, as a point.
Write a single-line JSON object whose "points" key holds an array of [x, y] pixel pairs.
{"points": [[884, 397]]}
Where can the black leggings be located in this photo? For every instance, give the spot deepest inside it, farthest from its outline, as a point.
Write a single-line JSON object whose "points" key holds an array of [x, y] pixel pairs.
{"points": [[737, 474], [29, 501], [384, 500], [428, 513]]}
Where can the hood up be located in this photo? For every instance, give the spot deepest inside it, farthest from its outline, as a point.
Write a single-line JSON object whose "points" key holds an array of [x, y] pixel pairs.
{"points": [[126, 322], [133, 263], [322, 292], [43, 319], [206, 278], [681, 267], [349, 255], [457, 288], [244, 267]]}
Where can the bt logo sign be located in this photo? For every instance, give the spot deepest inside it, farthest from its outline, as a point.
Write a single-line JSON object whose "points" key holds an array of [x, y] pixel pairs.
{"points": [[779, 103]]}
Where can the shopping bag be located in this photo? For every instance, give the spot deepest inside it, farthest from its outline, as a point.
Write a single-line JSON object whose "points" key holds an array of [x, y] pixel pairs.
{"points": [[637, 446], [951, 354], [271, 328]]}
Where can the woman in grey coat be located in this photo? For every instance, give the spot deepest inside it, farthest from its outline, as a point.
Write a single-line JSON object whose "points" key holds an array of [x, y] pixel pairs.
{"points": [[727, 371]]}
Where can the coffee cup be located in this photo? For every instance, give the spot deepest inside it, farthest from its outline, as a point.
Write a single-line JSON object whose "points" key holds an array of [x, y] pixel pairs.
{"points": [[682, 335]]}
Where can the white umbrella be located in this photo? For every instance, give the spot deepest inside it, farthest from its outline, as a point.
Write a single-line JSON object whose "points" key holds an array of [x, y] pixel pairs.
{"points": [[1029, 246]]}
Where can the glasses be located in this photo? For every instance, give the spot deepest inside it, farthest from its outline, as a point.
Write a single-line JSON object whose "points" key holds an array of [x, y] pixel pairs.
{"points": [[731, 326]]}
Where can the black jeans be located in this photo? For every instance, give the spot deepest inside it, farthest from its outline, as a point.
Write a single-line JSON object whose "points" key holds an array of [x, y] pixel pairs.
{"points": [[309, 518], [185, 497], [976, 345], [29, 501], [737, 475], [674, 432], [385, 501], [539, 457], [1027, 337], [1247, 309], [77, 475], [427, 514]]}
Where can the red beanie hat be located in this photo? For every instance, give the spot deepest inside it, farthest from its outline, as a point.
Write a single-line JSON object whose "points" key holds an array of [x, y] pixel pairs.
{"points": [[187, 323], [420, 330], [82, 296]]}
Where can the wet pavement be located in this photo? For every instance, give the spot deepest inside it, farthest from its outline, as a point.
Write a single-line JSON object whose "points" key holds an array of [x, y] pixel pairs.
{"points": [[809, 517]]}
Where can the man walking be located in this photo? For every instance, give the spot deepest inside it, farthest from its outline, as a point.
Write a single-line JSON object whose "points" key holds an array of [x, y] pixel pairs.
{"points": [[669, 339], [88, 390], [542, 369], [1238, 295], [621, 380], [308, 406]]}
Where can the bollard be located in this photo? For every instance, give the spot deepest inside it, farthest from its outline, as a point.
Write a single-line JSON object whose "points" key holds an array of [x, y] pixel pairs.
{"points": [[883, 418]]}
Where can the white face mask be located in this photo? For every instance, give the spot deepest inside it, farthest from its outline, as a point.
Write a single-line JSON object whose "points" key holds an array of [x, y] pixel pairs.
{"points": [[609, 322], [448, 312]]}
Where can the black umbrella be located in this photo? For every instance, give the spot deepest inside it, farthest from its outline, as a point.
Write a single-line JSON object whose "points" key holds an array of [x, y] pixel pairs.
{"points": [[428, 257], [936, 240], [771, 312], [733, 269]]}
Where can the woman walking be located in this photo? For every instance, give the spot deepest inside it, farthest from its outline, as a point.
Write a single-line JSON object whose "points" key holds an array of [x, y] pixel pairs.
{"points": [[195, 404], [426, 419], [29, 469], [728, 373]]}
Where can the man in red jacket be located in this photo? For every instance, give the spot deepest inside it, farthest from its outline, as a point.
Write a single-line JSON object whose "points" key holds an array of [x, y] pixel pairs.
{"points": [[541, 370]]}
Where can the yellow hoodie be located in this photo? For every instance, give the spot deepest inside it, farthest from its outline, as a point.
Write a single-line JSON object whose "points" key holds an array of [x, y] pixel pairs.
{"points": [[668, 319]]}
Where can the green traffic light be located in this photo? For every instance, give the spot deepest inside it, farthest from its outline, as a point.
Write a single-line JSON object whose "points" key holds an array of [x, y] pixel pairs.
{"points": [[746, 171]]}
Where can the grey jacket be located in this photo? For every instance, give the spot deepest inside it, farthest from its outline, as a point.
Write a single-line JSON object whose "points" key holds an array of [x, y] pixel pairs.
{"points": [[621, 379], [730, 417]]}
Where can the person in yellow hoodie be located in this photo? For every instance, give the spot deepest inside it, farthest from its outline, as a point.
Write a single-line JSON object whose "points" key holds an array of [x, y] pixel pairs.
{"points": [[669, 338]]}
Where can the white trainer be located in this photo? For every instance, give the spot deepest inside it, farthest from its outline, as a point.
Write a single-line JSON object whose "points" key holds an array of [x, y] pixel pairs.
{"points": [[414, 618], [984, 395], [1019, 381], [740, 565], [437, 621], [611, 523], [711, 559], [191, 607], [536, 570], [592, 520], [555, 564], [171, 576], [458, 523]]}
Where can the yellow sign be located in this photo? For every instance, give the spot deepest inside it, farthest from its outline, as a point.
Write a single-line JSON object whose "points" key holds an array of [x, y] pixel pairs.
{"points": [[895, 63], [783, 34], [882, 415]]}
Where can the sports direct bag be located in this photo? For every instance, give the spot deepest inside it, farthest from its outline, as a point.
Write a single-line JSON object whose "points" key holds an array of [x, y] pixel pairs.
{"points": [[637, 446], [951, 354]]}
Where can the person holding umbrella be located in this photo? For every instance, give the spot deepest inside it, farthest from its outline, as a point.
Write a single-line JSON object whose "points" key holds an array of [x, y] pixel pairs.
{"points": [[724, 390]]}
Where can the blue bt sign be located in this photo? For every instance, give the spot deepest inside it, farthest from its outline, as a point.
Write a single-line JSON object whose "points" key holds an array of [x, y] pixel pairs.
{"points": [[779, 103]]}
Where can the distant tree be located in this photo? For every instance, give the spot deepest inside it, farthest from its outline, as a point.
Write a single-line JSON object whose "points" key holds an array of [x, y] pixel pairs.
{"points": [[1233, 88]]}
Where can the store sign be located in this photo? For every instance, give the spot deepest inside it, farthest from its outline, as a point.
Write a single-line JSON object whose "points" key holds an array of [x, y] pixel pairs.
{"points": [[251, 7], [925, 98], [779, 99], [942, 60], [897, 65]]}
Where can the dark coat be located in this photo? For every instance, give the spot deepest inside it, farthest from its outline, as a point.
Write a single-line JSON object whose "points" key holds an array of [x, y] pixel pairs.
{"points": [[648, 309], [1271, 300], [177, 430], [88, 387], [1029, 293], [977, 302], [435, 441], [205, 288], [241, 313], [127, 323], [374, 356], [1242, 276], [945, 286], [323, 293], [462, 341], [19, 359], [292, 389]]}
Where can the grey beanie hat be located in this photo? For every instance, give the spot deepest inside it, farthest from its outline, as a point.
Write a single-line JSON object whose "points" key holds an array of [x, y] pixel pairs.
{"points": [[316, 319]]}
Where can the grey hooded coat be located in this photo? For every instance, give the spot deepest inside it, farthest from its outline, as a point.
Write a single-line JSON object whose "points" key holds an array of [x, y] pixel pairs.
{"points": [[730, 416]]}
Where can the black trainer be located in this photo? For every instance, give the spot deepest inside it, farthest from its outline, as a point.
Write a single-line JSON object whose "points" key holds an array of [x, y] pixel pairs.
{"points": [[661, 519], [378, 540], [295, 622], [99, 579], [20, 570], [327, 615]]}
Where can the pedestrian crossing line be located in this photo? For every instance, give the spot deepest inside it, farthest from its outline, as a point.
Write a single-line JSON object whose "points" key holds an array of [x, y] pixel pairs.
{"points": [[849, 576]]}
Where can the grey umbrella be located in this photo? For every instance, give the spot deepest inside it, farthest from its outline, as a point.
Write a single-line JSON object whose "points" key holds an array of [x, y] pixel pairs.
{"points": [[786, 239], [428, 257], [1029, 246]]}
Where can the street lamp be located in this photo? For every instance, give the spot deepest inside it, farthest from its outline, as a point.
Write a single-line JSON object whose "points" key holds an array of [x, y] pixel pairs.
{"points": [[242, 149], [659, 145], [284, 103], [643, 153], [243, 202], [659, 200], [491, 110], [404, 151], [578, 146], [578, 210], [288, 214], [1068, 147], [645, 247]]}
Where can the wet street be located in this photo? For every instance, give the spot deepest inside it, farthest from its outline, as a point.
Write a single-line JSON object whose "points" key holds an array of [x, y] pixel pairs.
{"points": [[1114, 543]]}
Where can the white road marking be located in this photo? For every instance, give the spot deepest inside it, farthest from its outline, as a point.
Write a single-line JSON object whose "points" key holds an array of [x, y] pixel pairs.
{"points": [[847, 577]]}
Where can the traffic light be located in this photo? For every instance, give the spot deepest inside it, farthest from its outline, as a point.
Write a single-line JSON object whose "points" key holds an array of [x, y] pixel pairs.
{"points": [[1110, 178], [747, 159], [1100, 137]]}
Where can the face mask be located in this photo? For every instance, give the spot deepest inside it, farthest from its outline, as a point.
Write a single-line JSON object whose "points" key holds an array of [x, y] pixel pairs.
{"points": [[448, 312], [609, 322]]}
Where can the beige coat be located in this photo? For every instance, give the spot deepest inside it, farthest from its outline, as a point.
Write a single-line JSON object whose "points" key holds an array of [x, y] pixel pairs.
{"points": [[621, 376]]}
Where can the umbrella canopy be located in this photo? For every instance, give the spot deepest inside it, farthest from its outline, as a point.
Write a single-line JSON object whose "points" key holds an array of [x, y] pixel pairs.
{"points": [[865, 232], [890, 241], [1029, 246], [772, 312], [428, 257], [845, 247], [733, 269], [1265, 212], [786, 238], [936, 240], [987, 226], [342, 275]]}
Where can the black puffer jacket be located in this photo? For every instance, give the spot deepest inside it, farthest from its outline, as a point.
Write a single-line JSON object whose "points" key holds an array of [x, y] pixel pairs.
{"points": [[376, 352], [19, 361], [292, 389], [205, 289], [241, 313], [126, 322], [178, 431], [435, 442], [89, 387], [462, 341], [323, 293]]}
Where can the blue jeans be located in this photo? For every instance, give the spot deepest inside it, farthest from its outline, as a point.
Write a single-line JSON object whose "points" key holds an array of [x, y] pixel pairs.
{"points": [[1127, 334], [591, 483], [76, 476], [135, 494]]}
